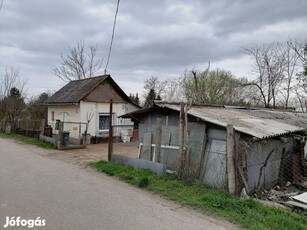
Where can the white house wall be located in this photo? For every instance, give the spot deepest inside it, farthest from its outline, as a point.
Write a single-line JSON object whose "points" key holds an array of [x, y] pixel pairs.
{"points": [[70, 113], [130, 108], [81, 112], [94, 108]]}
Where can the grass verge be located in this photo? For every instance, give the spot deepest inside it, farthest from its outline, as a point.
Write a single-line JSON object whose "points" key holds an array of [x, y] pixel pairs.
{"points": [[28, 140], [246, 213]]}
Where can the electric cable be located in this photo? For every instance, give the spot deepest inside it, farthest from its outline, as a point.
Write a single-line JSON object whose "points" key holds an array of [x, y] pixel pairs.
{"points": [[112, 38]]}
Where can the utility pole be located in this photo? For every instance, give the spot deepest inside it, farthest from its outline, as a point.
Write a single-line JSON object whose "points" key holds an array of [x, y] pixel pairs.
{"points": [[110, 149]]}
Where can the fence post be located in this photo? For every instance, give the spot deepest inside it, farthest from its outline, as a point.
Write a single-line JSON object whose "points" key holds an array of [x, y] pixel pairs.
{"points": [[60, 134], [43, 124], [85, 135], [230, 156], [186, 140], [182, 142], [158, 139]]}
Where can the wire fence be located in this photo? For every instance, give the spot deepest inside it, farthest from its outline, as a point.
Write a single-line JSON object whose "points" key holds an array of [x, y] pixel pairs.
{"points": [[126, 138], [270, 169], [125, 133], [273, 169]]}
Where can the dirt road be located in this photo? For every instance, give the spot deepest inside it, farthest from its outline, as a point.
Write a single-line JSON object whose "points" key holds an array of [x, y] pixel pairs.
{"points": [[68, 196], [92, 153]]}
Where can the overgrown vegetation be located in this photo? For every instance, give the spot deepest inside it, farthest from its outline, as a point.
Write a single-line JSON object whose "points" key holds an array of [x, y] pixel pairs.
{"points": [[27, 140], [246, 213], [276, 80]]}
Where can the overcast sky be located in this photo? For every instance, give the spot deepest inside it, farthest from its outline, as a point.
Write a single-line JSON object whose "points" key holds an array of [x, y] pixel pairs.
{"points": [[152, 38]]}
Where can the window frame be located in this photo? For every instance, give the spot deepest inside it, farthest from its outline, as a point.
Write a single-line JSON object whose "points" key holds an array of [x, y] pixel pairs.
{"points": [[52, 115], [103, 115]]}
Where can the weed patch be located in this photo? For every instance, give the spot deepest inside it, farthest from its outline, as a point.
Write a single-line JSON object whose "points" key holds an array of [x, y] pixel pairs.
{"points": [[246, 213], [28, 140]]}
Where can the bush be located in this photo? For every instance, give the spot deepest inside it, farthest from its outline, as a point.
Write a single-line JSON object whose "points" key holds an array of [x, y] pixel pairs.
{"points": [[143, 182]]}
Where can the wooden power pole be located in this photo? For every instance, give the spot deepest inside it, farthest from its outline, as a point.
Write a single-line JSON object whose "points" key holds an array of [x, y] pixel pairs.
{"points": [[110, 149]]}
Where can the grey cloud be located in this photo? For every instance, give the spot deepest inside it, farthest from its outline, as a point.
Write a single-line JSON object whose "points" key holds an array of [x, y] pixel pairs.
{"points": [[244, 16], [151, 38]]}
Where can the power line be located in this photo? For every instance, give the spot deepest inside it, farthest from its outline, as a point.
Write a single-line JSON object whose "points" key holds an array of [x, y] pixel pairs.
{"points": [[112, 38]]}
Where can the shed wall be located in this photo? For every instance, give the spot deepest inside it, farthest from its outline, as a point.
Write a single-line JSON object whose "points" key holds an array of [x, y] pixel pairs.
{"points": [[170, 136], [260, 153]]}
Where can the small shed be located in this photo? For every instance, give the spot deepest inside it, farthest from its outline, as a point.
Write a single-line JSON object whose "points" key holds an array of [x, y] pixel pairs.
{"points": [[267, 144]]}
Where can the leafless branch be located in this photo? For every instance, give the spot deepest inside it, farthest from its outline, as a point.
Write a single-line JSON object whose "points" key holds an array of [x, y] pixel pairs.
{"points": [[79, 63], [10, 79]]}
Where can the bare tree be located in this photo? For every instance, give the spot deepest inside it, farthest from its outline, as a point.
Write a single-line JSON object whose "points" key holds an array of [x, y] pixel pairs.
{"points": [[300, 89], [167, 90], [12, 95], [291, 61], [300, 48], [79, 63], [10, 79], [172, 90], [154, 83], [269, 65]]}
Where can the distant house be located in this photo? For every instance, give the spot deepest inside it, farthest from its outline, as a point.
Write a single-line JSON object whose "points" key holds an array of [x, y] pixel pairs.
{"points": [[86, 100], [267, 145]]}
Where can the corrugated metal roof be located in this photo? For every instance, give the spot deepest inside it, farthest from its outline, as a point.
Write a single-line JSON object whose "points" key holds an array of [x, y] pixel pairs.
{"points": [[260, 123]]}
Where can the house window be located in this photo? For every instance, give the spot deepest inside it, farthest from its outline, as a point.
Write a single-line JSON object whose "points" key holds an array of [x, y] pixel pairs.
{"points": [[103, 121], [52, 115]]}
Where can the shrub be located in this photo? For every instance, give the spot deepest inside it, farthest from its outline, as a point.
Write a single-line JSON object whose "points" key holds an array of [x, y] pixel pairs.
{"points": [[143, 182]]}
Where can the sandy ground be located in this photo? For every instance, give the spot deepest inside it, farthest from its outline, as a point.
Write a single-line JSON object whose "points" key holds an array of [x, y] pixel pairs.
{"points": [[94, 152]]}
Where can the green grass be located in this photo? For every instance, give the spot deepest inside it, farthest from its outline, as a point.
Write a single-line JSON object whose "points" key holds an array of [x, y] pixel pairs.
{"points": [[245, 213], [28, 140]]}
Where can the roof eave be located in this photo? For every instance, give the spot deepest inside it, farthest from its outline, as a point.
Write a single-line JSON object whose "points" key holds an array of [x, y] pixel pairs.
{"points": [[62, 103]]}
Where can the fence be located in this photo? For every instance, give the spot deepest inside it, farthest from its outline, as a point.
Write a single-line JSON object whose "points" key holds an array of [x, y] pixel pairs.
{"points": [[270, 168], [125, 139], [205, 157], [27, 127], [71, 135], [273, 169]]}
